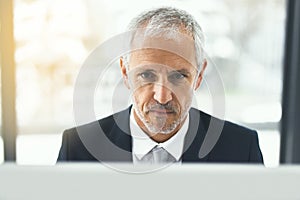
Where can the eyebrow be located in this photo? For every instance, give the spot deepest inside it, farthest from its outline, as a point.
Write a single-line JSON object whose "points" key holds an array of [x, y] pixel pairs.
{"points": [[182, 71], [145, 70]]}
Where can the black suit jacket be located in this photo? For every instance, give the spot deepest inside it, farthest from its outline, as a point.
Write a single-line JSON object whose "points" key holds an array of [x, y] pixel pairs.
{"points": [[208, 140]]}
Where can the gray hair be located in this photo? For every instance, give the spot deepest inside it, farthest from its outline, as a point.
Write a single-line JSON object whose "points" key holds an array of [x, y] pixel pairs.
{"points": [[167, 20]]}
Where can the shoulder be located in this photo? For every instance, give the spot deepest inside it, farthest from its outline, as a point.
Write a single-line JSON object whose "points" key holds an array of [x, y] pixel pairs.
{"points": [[234, 142], [92, 140], [106, 124], [228, 128]]}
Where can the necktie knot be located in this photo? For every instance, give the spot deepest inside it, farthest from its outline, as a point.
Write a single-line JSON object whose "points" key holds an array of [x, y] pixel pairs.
{"points": [[158, 155]]}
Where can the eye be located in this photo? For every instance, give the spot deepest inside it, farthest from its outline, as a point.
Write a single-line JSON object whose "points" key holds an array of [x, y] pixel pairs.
{"points": [[176, 77], [148, 76]]}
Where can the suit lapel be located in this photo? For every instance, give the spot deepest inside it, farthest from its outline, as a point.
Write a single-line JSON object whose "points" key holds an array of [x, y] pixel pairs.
{"points": [[194, 138], [120, 134]]}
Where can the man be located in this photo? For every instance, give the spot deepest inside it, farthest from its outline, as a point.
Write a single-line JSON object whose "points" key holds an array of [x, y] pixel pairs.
{"points": [[164, 68]]}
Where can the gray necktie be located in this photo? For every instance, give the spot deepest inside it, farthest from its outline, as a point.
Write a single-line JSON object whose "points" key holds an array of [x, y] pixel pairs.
{"points": [[157, 155]]}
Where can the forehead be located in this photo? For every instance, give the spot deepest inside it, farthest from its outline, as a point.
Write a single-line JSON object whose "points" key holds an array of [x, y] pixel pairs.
{"points": [[159, 58], [173, 49]]}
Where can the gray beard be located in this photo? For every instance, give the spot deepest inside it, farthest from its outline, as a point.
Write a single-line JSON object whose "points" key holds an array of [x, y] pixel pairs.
{"points": [[167, 130]]}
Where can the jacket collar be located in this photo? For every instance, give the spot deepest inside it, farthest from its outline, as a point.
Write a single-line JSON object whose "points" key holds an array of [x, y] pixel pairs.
{"points": [[121, 137], [194, 138], [120, 134]]}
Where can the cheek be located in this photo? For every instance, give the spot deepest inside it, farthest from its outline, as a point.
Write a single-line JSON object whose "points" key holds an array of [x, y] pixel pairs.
{"points": [[142, 96], [184, 98]]}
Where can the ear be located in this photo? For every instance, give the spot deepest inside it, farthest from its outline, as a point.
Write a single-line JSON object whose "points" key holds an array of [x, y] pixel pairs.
{"points": [[201, 74], [124, 73]]}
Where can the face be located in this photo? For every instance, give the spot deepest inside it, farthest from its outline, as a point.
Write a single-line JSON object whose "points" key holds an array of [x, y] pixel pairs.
{"points": [[162, 85]]}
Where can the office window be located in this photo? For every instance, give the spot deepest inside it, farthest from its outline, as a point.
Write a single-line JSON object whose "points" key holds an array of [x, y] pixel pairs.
{"points": [[53, 38]]}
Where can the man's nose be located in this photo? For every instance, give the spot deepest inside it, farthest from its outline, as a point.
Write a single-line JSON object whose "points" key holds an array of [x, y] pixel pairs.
{"points": [[162, 94]]}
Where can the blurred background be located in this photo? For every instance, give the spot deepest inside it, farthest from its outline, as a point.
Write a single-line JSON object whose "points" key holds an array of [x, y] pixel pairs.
{"points": [[244, 39]]}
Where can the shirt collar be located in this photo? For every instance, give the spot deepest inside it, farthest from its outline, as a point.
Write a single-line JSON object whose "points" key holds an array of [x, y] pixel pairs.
{"points": [[142, 143]]}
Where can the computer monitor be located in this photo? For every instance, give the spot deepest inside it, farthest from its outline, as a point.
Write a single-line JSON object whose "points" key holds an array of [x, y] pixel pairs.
{"points": [[188, 181]]}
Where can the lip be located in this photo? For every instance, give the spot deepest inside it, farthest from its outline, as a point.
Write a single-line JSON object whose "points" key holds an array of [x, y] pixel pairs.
{"points": [[162, 112]]}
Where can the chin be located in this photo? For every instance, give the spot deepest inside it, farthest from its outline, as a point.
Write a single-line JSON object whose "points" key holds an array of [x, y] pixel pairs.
{"points": [[161, 130]]}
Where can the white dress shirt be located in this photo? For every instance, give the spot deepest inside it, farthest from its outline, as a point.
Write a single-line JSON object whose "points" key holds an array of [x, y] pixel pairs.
{"points": [[142, 143]]}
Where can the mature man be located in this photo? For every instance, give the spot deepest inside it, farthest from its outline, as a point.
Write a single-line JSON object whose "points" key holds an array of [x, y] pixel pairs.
{"points": [[164, 68]]}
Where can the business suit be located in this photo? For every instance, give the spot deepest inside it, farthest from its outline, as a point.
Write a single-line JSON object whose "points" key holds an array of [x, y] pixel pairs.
{"points": [[109, 140]]}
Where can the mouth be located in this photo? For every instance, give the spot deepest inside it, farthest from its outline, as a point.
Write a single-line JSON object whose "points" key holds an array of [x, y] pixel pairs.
{"points": [[162, 112]]}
